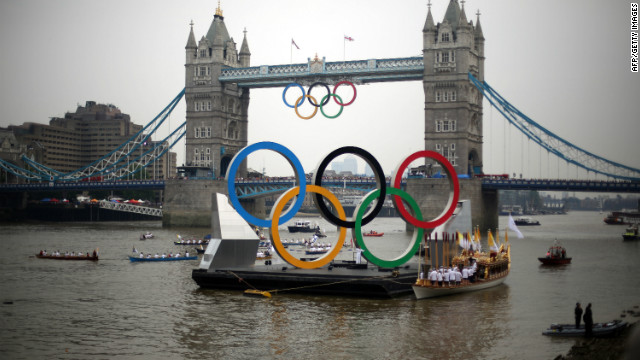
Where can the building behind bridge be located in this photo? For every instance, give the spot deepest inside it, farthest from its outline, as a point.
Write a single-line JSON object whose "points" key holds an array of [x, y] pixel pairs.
{"points": [[80, 138]]}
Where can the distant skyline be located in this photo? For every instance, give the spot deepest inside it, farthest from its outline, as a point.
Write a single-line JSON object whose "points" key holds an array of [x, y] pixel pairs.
{"points": [[564, 64]]}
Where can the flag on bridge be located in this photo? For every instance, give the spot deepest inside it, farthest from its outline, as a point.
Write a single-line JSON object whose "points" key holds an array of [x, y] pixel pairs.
{"points": [[348, 38], [294, 44]]}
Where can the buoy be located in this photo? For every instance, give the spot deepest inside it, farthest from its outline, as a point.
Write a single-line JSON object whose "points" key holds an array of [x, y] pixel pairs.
{"points": [[257, 293]]}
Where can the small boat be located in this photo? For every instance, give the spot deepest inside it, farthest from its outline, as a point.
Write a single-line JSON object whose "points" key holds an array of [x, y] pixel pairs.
{"points": [[139, 259], [303, 226], [598, 329], [87, 256], [146, 236], [263, 255], [614, 219], [526, 221], [191, 242], [293, 242], [556, 255], [631, 233], [372, 233], [317, 250]]}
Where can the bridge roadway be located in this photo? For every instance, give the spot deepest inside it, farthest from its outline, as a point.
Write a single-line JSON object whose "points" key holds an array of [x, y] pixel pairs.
{"points": [[246, 189], [357, 71]]}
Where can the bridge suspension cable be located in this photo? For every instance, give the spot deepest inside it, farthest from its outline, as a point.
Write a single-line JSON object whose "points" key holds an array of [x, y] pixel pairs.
{"points": [[552, 142]]}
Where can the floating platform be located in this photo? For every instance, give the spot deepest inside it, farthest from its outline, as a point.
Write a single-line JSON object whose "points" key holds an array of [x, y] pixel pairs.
{"points": [[340, 278], [229, 262]]}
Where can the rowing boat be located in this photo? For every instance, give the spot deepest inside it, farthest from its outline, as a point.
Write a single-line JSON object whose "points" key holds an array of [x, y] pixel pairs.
{"points": [[188, 242], [63, 257], [138, 259]]}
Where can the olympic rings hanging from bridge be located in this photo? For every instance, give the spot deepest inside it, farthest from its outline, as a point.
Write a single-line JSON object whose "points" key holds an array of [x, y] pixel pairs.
{"points": [[359, 218], [325, 100]]}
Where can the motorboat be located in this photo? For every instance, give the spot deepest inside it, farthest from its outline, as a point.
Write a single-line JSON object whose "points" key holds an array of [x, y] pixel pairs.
{"points": [[526, 221], [303, 226], [631, 233], [598, 329], [556, 255]]}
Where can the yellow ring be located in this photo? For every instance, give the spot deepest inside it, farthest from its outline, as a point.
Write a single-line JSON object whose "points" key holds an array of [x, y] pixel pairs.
{"points": [[275, 234], [315, 109]]}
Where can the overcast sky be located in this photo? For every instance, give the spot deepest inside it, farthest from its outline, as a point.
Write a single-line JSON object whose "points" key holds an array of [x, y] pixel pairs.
{"points": [[565, 64]]}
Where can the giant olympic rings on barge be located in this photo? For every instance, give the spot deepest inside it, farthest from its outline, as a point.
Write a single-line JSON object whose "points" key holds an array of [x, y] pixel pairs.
{"points": [[312, 100], [359, 218]]}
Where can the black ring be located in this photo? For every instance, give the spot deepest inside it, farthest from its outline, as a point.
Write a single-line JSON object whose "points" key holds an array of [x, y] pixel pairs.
{"points": [[326, 86], [380, 179]]}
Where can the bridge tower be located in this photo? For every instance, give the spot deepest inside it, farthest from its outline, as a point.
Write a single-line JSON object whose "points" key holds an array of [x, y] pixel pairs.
{"points": [[453, 106], [216, 112]]}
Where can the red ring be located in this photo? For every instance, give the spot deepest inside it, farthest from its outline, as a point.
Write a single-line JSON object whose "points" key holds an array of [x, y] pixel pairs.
{"points": [[396, 180], [354, 92]]}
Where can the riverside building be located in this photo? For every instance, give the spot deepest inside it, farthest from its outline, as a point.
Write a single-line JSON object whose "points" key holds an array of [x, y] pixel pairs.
{"points": [[84, 136]]}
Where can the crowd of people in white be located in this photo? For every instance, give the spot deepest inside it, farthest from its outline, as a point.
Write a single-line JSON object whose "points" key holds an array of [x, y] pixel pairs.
{"points": [[452, 276]]}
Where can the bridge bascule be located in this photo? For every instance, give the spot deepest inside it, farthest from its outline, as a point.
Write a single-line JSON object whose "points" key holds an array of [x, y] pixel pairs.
{"points": [[442, 66]]}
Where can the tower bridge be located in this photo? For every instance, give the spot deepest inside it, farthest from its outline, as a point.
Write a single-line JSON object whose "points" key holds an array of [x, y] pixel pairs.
{"points": [[218, 80]]}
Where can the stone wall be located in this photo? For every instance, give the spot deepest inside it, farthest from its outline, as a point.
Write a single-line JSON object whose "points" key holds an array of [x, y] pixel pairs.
{"points": [[432, 196], [187, 203]]}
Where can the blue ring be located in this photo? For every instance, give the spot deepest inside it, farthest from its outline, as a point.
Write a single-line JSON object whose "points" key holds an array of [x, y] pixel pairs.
{"points": [[284, 92], [297, 168]]}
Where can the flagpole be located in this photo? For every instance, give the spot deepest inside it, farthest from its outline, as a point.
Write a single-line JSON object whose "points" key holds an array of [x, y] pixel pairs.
{"points": [[344, 46]]}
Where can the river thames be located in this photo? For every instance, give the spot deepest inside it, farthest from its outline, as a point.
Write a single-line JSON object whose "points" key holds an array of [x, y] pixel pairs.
{"points": [[115, 309]]}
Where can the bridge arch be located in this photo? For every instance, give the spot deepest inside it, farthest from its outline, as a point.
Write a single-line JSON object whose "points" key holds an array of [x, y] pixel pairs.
{"points": [[224, 164], [474, 163]]}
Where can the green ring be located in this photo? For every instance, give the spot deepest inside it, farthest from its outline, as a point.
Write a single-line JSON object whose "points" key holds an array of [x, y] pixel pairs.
{"points": [[417, 232], [322, 110]]}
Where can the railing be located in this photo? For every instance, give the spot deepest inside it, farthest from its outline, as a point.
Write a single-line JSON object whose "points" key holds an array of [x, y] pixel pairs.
{"points": [[85, 185], [253, 188], [561, 185]]}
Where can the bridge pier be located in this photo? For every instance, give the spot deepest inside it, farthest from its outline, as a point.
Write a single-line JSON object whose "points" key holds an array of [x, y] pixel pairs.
{"points": [[12, 205], [433, 194], [187, 203], [255, 207]]}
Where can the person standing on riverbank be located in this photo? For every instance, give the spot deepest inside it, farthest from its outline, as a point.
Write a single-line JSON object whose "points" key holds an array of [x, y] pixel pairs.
{"points": [[588, 321], [578, 313]]}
